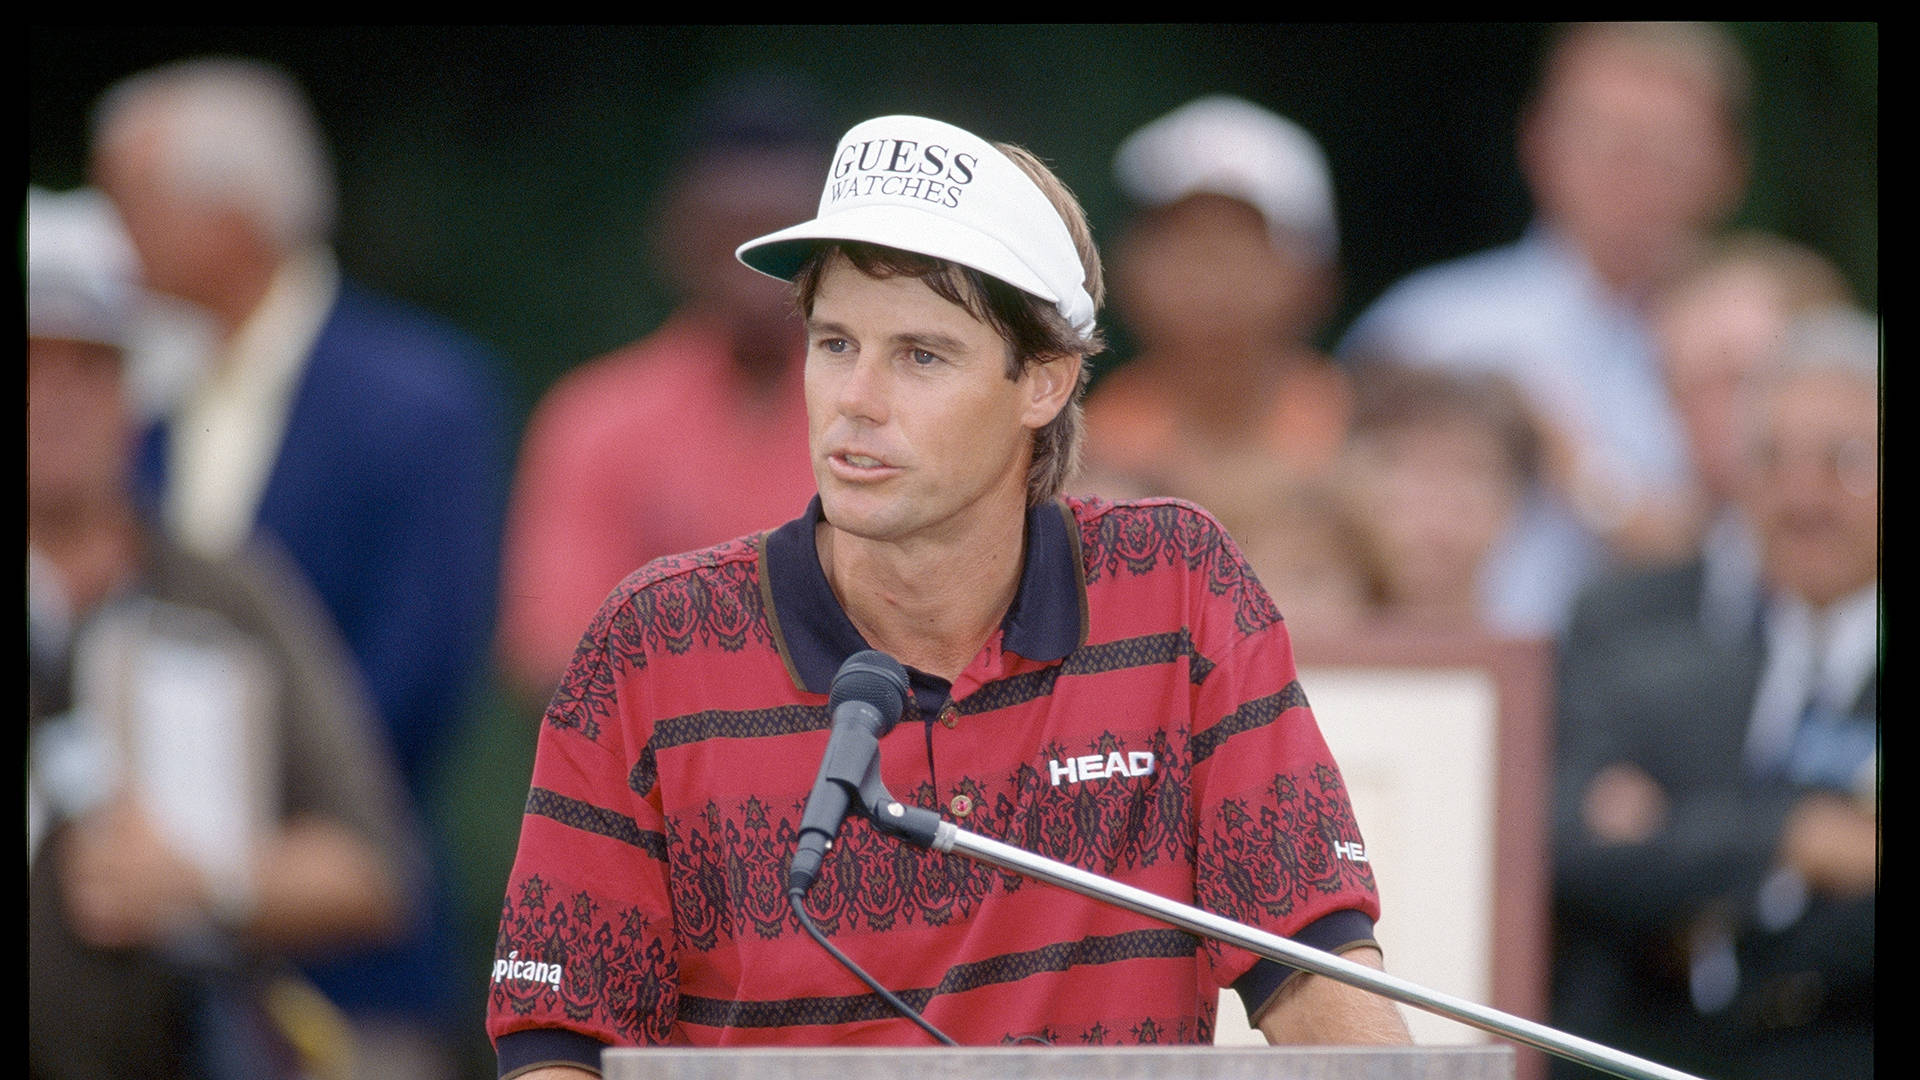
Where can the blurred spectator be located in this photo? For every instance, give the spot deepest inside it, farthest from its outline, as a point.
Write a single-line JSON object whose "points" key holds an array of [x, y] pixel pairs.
{"points": [[1223, 276], [1717, 809], [1713, 327], [1438, 465], [697, 433], [1309, 545], [363, 436], [206, 790], [1633, 148]]}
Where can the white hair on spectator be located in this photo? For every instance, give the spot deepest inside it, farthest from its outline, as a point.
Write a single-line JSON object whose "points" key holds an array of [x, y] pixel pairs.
{"points": [[82, 275], [1837, 340], [236, 133]]}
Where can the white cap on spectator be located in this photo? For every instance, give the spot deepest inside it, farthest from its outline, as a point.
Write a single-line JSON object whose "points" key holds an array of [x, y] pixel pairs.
{"points": [[1226, 145], [82, 274]]}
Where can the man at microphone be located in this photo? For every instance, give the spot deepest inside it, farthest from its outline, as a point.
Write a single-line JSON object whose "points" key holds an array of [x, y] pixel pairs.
{"points": [[1105, 684]]}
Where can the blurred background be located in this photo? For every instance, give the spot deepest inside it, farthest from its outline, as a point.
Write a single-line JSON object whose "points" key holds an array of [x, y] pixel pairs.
{"points": [[500, 175], [504, 179]]}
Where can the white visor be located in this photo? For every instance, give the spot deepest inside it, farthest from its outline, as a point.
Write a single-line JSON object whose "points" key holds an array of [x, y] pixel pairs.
{"points": [[923, 186]]}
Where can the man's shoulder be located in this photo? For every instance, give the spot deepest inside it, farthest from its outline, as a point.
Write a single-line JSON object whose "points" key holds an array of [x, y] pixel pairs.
{"points": [[1132, 545], [1457, 304], [1144, 532], [1635, 620], [240, 589], [679, 344], [387, 345], [258, 592], [1097, 512], [711, 594], [731, 560], [385, 378], [364, 312], [677, 612], [1636, 595]]}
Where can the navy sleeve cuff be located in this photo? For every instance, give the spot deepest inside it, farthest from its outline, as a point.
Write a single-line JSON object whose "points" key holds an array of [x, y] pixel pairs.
{"points": [[535, 1047], [1335, 932]]}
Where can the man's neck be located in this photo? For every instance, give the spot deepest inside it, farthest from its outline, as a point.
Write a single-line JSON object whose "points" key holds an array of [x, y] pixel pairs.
{"points": [[1634, 270], [932, 605], [268, 291], [765, 368], [234, 298]]}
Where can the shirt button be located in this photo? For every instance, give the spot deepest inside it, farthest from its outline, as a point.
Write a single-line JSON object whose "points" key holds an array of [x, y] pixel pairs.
{"points": [[961, 806], [949, 715]]}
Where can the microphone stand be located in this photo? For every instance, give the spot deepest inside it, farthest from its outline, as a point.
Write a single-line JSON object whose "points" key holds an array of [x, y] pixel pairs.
{"points": [[925, 828]]}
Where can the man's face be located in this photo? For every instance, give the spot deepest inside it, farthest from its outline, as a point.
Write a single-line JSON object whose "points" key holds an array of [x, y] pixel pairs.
{"points": [[1812, 481], [1437, 494], [1710, 338], [722, 202], [79, 431], [1206, 270], [916, 431], [179, 240], [1630, 154]]}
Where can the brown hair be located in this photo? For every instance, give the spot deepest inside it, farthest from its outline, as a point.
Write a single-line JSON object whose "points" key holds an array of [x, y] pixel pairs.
{"points": [[1033, 329], [1390, 395]]}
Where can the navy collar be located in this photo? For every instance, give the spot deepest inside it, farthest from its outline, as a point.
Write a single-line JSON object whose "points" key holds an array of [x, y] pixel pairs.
{"points": [[1047, 620]]}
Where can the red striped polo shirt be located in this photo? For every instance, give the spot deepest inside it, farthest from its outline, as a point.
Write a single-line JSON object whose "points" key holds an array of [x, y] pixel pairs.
{"points": [[1136, 715]]}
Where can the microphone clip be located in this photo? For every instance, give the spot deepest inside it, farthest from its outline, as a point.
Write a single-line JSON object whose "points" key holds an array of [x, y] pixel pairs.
{"points": [[869, 694], [865, 793]]}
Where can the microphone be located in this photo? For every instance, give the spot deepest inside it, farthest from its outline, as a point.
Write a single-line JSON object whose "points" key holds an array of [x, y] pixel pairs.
{"points": [[867, 696]]}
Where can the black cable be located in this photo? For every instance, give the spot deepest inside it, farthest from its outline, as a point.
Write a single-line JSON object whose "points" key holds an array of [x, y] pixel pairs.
{"points": [[797, 897]]}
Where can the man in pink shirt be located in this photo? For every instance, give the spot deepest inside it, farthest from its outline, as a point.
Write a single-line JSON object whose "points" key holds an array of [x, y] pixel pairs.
{"points": [[696, 433]]}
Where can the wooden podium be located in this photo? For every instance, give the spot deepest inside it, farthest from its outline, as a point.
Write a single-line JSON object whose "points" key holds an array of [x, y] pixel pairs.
{"points": [[1065, 1063]]}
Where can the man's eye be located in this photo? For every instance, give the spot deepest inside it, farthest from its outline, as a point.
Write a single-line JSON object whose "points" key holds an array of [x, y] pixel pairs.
{"points": [[924, 358], [833, 345]]}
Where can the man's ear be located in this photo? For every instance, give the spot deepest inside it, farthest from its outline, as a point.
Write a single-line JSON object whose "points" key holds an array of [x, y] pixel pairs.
{"points": [[1049, 383]]}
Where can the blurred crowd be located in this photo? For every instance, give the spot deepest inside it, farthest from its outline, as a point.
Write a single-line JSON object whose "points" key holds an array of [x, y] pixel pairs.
{"points": [[263, 613]]}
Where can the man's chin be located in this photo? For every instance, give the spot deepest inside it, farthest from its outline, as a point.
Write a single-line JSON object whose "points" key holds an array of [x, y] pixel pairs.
{"points": [[855, 515]]}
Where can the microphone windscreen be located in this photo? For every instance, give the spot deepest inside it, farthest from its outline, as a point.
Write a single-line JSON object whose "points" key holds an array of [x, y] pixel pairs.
{"points": [[875, 678]]}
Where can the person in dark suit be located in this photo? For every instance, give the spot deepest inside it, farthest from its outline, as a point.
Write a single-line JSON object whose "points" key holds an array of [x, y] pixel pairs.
{"points": [[1717, 808], [364, 436]]}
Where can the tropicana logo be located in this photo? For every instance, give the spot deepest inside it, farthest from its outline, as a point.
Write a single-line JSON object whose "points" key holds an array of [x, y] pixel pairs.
{"points": [[536, 971]]}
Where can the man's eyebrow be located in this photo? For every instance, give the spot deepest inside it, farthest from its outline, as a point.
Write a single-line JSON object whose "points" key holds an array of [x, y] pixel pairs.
{"points": [[824, 326], [930, 340]]}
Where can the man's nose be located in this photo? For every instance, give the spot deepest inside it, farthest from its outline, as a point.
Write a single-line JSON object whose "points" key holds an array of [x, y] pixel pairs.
{"points": [[865, 389]]}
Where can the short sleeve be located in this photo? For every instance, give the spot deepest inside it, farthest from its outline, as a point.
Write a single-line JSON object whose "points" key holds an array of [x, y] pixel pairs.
{"points": [[586, 942], [1277, 843]]}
